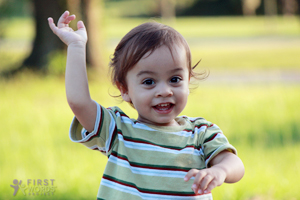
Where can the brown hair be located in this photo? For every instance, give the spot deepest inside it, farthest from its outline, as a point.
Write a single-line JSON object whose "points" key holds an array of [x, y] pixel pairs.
{"points": [[142, 39]]}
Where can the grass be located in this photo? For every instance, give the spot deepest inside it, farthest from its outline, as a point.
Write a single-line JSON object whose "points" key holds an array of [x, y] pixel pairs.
{"points": [[261, 120]]}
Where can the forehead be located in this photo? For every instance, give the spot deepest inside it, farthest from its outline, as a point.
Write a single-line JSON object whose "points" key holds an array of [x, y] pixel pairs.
{"points": [[161, 61], [163, 54]]}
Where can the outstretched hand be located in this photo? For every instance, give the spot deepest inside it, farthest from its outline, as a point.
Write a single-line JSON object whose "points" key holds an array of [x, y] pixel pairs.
{"points": [[67, 34], [205, 179]]}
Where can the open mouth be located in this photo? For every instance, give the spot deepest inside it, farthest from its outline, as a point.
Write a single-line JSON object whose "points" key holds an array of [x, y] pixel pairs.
{"points": [[164, 108]]}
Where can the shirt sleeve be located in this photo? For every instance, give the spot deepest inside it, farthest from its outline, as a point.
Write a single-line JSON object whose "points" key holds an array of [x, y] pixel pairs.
{"points": [[103, 136], [214, 142]]}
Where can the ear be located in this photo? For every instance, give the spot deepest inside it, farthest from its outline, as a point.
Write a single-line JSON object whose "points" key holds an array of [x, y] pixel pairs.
{"points": [[124, 93], [125, 96]]}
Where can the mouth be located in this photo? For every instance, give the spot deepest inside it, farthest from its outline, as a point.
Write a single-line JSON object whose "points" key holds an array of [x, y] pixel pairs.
{"points": [[163, 108]]}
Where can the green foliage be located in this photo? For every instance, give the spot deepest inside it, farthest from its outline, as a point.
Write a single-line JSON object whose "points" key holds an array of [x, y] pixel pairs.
{"points": [[57, 63], [13, 8]]}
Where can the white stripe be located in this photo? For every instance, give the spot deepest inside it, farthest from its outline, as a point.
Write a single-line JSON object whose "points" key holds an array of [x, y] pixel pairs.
{"points": [[215, 126], [134, 191], [150, 147], [145, 171], [220, 135], [200, 130]]}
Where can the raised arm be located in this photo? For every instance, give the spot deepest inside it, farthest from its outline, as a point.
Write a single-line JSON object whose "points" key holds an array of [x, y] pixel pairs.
{"points": [[225, 167], [77, 90]]}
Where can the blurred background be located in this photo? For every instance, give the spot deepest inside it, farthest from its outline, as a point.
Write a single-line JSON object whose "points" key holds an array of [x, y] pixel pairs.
{"points": [[250, 47]]}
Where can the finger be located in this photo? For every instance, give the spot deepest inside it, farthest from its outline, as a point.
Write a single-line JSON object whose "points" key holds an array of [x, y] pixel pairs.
{"points": [[52, 25], [204, 183], [80, 25], [69, 19], [190, 174], [210, 186], [61, 21], [198, 180]]}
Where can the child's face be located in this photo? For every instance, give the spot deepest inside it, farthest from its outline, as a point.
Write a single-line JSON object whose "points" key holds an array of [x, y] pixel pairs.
{"points": [[158, 86]]}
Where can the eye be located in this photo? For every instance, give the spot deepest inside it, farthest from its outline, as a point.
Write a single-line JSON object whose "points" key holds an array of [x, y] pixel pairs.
{"points": [[148, 82], [175, 79]]}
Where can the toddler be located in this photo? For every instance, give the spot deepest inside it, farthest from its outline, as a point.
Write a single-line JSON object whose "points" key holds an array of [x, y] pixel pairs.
{"points": [[158, 155]]}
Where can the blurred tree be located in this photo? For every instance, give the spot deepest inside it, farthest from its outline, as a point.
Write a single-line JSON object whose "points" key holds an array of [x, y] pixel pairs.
{"points": [[213, 8], [10, 9], [45, 42], [290, 7], [270, 7], [298, 8]]}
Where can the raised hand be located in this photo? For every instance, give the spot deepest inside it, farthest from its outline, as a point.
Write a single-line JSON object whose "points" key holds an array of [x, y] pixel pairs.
{"points": [[67, 34]]}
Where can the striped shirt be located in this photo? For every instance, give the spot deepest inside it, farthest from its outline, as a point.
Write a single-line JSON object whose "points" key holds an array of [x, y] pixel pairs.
{"points": [[150, 162]]}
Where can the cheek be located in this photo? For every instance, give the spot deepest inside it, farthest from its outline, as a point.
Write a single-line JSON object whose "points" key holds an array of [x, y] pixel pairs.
{"points": [[183, 94]]}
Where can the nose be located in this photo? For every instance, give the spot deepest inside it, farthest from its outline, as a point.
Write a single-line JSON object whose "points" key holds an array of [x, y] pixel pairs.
{"points": [[164, 90]]}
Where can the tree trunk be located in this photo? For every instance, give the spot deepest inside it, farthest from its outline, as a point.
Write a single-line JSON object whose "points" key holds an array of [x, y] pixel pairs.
{"points": [[45, 41], [250, 6], [270, 7], [298, 7]]}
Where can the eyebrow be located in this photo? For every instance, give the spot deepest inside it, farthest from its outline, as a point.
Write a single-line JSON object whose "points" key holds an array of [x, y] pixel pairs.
{"points": [[151, 72], [145, 72]]}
